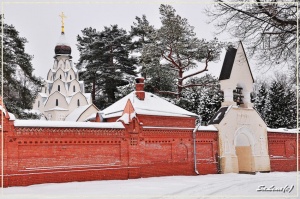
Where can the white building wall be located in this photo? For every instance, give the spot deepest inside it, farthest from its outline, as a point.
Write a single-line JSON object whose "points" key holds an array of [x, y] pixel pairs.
{"points": [[247, 122]]}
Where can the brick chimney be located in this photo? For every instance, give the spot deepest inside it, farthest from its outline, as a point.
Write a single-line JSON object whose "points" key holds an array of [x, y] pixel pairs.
{"points": [[139, 88]]}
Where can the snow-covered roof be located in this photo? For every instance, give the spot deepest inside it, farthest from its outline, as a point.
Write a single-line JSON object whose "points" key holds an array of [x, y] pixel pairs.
{"points": [[151, 105], [11, 116], [207, 128], [3, 109], [43, 94], [91, 117], [282, 130], [87, 96], [68, 99], [68, 124], [75, 114], [57, 108], [126, 117]]}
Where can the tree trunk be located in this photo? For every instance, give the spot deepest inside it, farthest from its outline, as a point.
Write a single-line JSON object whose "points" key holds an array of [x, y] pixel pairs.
{"points": [[180, 83], [94, 91]]}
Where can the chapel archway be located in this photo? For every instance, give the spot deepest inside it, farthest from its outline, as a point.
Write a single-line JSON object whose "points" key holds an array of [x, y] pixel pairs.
{"points": [[243, 148]]}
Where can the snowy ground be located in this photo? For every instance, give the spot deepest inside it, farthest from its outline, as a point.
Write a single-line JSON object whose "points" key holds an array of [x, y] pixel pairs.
{"points": [[205, 186]]}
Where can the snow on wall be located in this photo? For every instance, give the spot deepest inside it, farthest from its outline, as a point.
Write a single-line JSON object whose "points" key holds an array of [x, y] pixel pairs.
{"points": [[70, 124], [282, 130], [207, 128]]}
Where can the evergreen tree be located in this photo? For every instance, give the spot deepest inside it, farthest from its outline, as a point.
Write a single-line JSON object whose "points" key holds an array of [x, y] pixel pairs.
{"points": [[157, 75], [260, 100], [107, 61], [175, 46], [141, 32], [291, 109], [280, 107], [203, 100], [19, 84]]}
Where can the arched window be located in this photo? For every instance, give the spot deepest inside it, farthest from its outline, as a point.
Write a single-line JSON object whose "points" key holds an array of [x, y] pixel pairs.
{"points": [[38, 104], [74, 88], [56, 102], [70, 77], [78, 102], [59, 76], [58, 88]]}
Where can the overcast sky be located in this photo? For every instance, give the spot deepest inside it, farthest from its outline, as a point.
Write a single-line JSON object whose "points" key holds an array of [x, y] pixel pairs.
{"points": [[40, 24]]}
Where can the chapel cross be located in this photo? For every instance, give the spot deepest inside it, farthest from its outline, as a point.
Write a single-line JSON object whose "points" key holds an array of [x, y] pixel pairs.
{"points": [[62, 22]]}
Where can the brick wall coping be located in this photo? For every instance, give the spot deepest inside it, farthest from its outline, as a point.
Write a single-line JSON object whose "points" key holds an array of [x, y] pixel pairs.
{"points": [[164, 127], [70, 124], [207, 128], [282, 130]]}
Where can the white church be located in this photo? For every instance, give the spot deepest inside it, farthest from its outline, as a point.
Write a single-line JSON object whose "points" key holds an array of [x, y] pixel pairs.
{"points": [[63, 96]]}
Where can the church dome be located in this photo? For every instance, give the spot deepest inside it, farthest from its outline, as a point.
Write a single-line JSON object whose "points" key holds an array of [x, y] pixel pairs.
{"points": [[62, 47]]}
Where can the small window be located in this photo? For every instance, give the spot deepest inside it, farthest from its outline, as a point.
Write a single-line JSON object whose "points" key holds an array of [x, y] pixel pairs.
{"points": [[74, 89], [58, 88], [38, 104], [56, 102], [70, 77], [59, 76], [78, 102]]}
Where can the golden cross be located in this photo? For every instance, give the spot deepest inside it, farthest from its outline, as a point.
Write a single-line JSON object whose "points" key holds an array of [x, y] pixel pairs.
{"points": [[62, 22]]}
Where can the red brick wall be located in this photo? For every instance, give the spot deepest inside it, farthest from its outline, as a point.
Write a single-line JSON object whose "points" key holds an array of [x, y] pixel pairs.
{"points": [[165, 121], [42, 155], [283, 151]]}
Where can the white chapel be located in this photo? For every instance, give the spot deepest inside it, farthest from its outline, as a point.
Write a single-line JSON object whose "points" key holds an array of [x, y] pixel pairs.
{"points": [[243, 140], [63, 96]]}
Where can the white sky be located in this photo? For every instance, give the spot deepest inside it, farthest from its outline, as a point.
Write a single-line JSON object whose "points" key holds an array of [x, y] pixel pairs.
{"points": [[40, 24]]}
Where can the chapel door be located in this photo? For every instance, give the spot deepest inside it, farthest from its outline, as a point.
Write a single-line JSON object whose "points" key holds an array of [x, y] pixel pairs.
{"points": [[244, 154]]}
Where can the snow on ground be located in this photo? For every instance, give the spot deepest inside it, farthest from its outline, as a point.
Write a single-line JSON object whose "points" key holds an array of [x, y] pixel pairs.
{"points": [[203, 186]]}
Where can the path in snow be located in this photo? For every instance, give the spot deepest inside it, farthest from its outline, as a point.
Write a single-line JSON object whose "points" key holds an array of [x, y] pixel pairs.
{"points": [[204, 186]]}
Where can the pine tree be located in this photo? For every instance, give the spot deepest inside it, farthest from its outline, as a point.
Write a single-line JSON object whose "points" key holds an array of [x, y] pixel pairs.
{"points": [[19, 84], [157, 75], [107, 60], [141, 32], [175, 46]]}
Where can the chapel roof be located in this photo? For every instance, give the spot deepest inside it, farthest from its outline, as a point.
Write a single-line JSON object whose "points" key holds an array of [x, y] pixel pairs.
{"points": [[227, 64], [219, 115], [229, 61]]}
